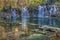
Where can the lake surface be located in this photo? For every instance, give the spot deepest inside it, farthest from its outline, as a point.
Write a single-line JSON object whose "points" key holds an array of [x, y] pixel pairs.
{"points": [[46, 21], [39, 21]]}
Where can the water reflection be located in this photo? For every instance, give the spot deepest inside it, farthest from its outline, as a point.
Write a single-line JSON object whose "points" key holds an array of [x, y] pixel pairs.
{"points": [[40, 21], [52, 22], [46, 21]]}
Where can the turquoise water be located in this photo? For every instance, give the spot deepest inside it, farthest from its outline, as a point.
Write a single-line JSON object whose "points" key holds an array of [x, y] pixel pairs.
{"points": [[46, 21], [39, 21]]}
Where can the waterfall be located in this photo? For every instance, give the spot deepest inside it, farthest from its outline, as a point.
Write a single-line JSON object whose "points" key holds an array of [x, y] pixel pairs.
{"points": [[24, 17], [41, 11], [14, 17], [53, 10]]}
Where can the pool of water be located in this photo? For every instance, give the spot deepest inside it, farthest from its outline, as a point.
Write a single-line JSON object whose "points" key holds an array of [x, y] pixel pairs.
{"points": [[39, 21], [46, 21]]}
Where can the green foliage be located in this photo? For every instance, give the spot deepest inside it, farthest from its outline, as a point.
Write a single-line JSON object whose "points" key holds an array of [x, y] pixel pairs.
{"points": [[40, 1], [34, 2], [4, 9], [1, 9], [38, 37], [58, 0]]}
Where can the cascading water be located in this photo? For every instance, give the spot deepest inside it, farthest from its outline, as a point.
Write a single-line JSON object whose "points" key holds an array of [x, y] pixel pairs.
{"points": [[24, 17], [41, 14], [14, 15], [53, 10], [41, 11]]}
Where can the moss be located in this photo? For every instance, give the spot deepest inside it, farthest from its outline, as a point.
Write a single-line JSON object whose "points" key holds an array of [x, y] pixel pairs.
{"points": [[38, 37]]}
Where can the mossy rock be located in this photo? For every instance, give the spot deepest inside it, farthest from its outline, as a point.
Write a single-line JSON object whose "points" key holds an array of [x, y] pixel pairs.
{"points": [[38, 37]]}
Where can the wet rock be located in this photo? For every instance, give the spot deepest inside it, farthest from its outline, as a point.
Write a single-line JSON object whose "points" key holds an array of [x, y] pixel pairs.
{"points": [[52, 32], [36, 37], [35, 30], [22, 32], [49, 28]]}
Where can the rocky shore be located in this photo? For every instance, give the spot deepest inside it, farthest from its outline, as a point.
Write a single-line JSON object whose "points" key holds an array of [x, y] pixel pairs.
{"points": [[40, 33]]}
